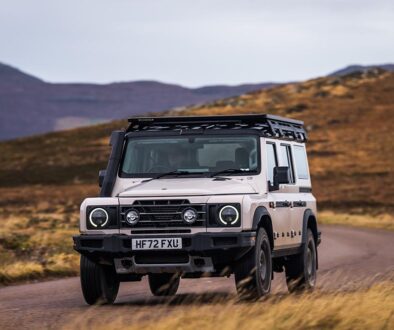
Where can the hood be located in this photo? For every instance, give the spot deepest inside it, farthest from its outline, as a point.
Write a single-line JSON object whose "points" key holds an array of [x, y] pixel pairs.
{"points": [[188, 187]]}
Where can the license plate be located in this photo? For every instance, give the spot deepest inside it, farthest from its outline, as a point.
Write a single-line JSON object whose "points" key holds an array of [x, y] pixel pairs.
{"points": [[156, 243]]}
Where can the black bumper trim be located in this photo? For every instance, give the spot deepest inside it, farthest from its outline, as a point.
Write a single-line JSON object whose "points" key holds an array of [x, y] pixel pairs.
{"points": [[118, 244]]}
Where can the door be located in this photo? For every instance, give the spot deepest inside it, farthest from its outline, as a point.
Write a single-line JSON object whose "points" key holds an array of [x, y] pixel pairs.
{"points": [[288, 194], [278, 200], [304, 187]]}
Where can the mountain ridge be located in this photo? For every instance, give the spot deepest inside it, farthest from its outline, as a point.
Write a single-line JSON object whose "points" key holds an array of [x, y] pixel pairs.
{"points": [[349, 121], [29, 105], [350, 69]]}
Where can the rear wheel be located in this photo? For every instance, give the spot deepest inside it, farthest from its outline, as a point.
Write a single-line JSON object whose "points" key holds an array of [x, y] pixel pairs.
{"points": [[164, 284], [301, 268], [99, 283], [253, 272]]}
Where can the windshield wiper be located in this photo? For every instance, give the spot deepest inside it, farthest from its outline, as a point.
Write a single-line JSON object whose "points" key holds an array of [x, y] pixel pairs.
{"points": [[232, 171], [176, 172]]}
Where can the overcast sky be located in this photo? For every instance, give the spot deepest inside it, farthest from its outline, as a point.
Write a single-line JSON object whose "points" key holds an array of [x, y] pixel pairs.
{"points": [[192, 42]]}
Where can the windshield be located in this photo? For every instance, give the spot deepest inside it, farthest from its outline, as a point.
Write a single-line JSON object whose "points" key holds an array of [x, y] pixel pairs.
{"points": [[152, 156]]}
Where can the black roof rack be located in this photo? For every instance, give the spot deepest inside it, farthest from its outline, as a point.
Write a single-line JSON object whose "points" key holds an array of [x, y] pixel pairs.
{"points": [[266, 125]]}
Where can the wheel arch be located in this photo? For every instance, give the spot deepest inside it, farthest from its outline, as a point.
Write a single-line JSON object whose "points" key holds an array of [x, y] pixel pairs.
{"points": [[310, 221], [262, 218]]}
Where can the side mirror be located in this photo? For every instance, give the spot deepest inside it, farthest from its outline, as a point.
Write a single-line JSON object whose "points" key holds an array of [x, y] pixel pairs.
{"points": [[101, 177], [281, 176]]}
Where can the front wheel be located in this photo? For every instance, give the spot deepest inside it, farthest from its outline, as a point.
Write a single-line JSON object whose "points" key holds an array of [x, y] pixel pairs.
{"points": [[99, 283], [164, 284], [253, 272], [301, 268]]}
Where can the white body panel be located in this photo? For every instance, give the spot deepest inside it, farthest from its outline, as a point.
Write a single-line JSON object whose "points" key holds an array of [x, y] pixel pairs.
{"points": [[186, 187]]}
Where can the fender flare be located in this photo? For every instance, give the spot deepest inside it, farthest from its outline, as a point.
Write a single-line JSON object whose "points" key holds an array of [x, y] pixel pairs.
{"points": [[259, 214], [308, 214]]}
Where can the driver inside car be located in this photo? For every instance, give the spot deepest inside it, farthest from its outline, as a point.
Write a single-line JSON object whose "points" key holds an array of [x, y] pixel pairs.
{"points": [[177, 158]]}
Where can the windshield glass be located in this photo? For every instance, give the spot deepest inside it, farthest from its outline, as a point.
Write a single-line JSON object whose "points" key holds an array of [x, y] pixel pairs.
{"points": [[150, 156]]}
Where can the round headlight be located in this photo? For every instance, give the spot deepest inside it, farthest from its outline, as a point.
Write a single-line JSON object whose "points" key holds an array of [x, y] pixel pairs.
{"points": [[132, 217], [189, 216], [98, 217], [228, 215]]}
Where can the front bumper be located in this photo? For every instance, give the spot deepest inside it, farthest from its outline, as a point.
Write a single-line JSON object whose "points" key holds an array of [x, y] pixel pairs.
{"points": [[201, 252], [200, 243]]}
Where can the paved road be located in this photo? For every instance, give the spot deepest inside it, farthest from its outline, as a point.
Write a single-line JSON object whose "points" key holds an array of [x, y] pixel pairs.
{"points": [[348, 257]]}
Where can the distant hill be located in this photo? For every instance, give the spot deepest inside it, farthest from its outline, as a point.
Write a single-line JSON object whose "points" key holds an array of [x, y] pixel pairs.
{"points": [[361, 68], [350, 122], [29, 105]]}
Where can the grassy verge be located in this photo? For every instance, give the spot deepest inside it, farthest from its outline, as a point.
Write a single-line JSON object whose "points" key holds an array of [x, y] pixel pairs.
{"points": [[36, 233], [39, 220], [58, 265], [371, 308], [377, 221]]}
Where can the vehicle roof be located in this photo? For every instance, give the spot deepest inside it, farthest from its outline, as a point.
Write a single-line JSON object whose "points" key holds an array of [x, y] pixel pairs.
{"points": [[265, 124]]}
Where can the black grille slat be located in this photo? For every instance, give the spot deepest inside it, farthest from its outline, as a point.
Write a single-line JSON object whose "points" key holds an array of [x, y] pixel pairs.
{"points": [[163, 220], [157, 212], [162, 209], [162, 231], [163, 213], [163, 217]]}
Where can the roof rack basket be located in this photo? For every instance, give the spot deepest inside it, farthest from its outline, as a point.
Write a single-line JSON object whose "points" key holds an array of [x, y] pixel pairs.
{"points": [[266, 125]]}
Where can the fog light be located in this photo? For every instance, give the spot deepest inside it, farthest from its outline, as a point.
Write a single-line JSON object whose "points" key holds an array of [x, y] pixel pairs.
{"points": [[98, 217], [189, 216], [132, 217], [228, 215]]}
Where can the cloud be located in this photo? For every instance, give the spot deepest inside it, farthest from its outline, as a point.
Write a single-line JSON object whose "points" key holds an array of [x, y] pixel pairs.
{"points": [[193, 42]]}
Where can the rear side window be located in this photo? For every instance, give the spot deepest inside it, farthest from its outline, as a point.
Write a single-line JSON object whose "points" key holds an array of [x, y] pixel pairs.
{"points": [[271, 161], [287, 160], [301, 162]]}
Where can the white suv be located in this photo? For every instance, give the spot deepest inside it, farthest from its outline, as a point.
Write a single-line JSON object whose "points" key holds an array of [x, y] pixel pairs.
{"points": [[201, 196]]}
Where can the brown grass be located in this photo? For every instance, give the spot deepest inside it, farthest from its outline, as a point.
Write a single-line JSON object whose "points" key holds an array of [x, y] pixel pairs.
{"points": [[350, 121], [20, 270], [39, 221], [371, 308], [378, 221], [351, 128], [36, 233]]}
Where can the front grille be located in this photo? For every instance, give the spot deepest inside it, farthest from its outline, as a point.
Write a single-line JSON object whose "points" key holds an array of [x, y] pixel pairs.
{"points": [[160, 231], [163, 213]]}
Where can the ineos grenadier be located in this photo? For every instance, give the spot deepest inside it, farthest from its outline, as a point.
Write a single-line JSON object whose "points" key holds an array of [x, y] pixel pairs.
{"points": [[187, 197]]}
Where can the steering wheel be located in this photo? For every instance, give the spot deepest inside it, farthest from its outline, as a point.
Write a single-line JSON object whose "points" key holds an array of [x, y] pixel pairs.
{"points": [[158, 168]]}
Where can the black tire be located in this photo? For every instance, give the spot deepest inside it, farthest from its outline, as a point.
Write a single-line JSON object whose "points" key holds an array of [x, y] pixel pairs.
{"points": [[301, 268], [253, 273], [99, 283], [164, 284]]}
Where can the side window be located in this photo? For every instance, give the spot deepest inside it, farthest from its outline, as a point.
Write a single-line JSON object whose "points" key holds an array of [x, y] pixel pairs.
{"points": [[271, 161], [301, 162], [285, 150]]}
